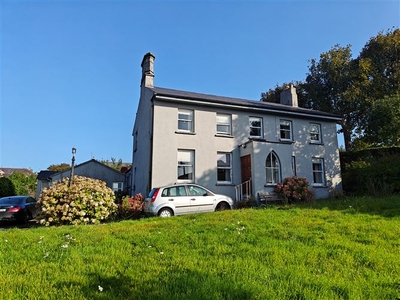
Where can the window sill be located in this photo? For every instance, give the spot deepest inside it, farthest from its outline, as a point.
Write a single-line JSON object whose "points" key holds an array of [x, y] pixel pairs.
{"points": [[224, 135], [286, 141], [316, 143], [270, 185], [185, 132], [319, 186], [224, 184]]}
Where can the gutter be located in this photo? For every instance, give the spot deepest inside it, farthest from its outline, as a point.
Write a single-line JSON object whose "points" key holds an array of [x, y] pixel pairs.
{"points": [[248, 108]]}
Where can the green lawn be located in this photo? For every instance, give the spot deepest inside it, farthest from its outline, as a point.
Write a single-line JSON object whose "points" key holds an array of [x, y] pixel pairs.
{"points": [[337, 249]]}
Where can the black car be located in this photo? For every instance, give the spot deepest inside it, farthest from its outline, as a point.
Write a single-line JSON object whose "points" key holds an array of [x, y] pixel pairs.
{"points": [[17, 208]]}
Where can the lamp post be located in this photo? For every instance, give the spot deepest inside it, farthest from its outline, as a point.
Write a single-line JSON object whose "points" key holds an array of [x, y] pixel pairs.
{"points": [[71, 178]]}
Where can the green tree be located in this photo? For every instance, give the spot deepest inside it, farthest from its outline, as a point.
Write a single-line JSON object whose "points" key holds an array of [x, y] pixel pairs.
{"points": [[24, 184], [331, 86], [381, 60], [114, 163], [383, 122], [6, 187], [59, 167]]}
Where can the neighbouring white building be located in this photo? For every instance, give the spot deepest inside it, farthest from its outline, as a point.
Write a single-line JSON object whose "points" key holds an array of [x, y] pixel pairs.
{"points": [[231, 146]]}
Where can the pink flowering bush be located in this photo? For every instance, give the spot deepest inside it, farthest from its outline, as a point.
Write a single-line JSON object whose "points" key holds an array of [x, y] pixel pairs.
{"points": [[131, 207], [294, 189], [85, 201]]}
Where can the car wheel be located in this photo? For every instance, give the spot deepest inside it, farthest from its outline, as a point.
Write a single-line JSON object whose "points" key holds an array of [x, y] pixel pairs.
{"points": [[165, 213], [24, 218], [223, 206]]}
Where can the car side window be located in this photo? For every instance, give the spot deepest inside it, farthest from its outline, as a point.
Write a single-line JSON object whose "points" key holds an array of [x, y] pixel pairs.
{"points": [[197, 191], [175, 191], [31, 200]]}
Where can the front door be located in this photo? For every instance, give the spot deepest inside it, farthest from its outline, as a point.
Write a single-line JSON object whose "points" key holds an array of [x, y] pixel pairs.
{"points": [[245, 162]]}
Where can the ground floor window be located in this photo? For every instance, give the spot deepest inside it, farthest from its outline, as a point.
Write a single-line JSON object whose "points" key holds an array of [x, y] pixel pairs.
{"points": [[318, 171], [185, 165], [224, 167], [273, 169], [117, 186]]}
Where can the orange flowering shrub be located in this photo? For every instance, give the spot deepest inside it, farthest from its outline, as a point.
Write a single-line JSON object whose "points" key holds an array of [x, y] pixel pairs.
{"points": [[86, 201], [294, 189]]}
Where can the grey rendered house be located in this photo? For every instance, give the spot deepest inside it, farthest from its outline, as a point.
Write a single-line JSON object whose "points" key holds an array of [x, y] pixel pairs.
{"points": [[232, 146], [91, 168]]}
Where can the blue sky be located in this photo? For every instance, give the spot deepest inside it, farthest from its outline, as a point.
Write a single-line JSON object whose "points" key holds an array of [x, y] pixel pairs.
{"points": [[70, 70]]}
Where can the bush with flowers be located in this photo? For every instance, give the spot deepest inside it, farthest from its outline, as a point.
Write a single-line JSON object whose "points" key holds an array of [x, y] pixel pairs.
{"points": [[131, 207], [85, 201], [294, 189]]}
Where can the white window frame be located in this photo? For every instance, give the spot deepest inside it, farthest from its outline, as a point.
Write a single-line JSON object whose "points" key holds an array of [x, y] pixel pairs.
{"points": [[185, 161], [260, 128], [189, 120], [224, 164], [272, 169], [283, 130], [318, 173], [118, 186], [315, 133], [224, 121]]}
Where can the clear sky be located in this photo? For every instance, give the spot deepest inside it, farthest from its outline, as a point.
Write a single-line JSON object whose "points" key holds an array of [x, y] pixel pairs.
{"points": [[70, 70]]}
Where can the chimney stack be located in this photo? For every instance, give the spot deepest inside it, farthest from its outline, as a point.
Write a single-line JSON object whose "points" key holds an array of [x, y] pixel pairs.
{"points": [[148, 70], [289, 96]]}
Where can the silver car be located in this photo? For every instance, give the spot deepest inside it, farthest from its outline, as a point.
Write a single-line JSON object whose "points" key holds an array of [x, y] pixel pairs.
{"points": [[180, 199]]}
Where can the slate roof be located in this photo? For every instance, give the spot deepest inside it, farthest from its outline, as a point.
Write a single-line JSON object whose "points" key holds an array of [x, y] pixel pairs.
{"points": [[243, 104], [45, 175]]}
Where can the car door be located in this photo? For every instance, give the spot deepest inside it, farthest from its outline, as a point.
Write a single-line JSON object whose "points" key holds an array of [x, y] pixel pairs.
{"points": [[177, 198], [31, 206], [201, 200]]}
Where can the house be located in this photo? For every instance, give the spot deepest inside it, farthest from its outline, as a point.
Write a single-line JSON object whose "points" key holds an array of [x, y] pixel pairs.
{"points": [[232, 146], [5, 172], [91, 168]]}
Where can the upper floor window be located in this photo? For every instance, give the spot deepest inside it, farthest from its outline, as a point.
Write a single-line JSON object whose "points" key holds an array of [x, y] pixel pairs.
{"points": [[315, 133], [224, 167], [255, 127], [185, 120], [224, 124], [273, 169], [318, 171], [286, 130], [117, 186], [185, 165]]}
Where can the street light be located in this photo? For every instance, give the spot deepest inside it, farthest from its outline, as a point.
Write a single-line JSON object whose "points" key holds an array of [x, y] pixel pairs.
{"points": [[71, 178]]}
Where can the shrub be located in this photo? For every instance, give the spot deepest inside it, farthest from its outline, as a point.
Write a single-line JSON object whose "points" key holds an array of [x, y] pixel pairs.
{"points": [[131, 207], [246, 203], [7, 187], [294, 189], [86, 201]]}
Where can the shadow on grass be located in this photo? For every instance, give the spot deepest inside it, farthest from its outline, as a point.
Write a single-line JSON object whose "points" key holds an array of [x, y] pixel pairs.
{"points": [[387, 207], [169, 284]]}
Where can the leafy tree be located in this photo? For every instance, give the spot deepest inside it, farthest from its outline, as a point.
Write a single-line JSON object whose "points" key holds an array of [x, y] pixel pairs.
{"points": [[114, 163], [331, 86], [24, 184], [59, 167], [6, 187], [383, 122], [381, 60]]}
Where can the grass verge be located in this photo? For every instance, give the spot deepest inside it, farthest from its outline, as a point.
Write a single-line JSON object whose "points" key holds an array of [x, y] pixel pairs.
{"points": [[337, 249]]}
